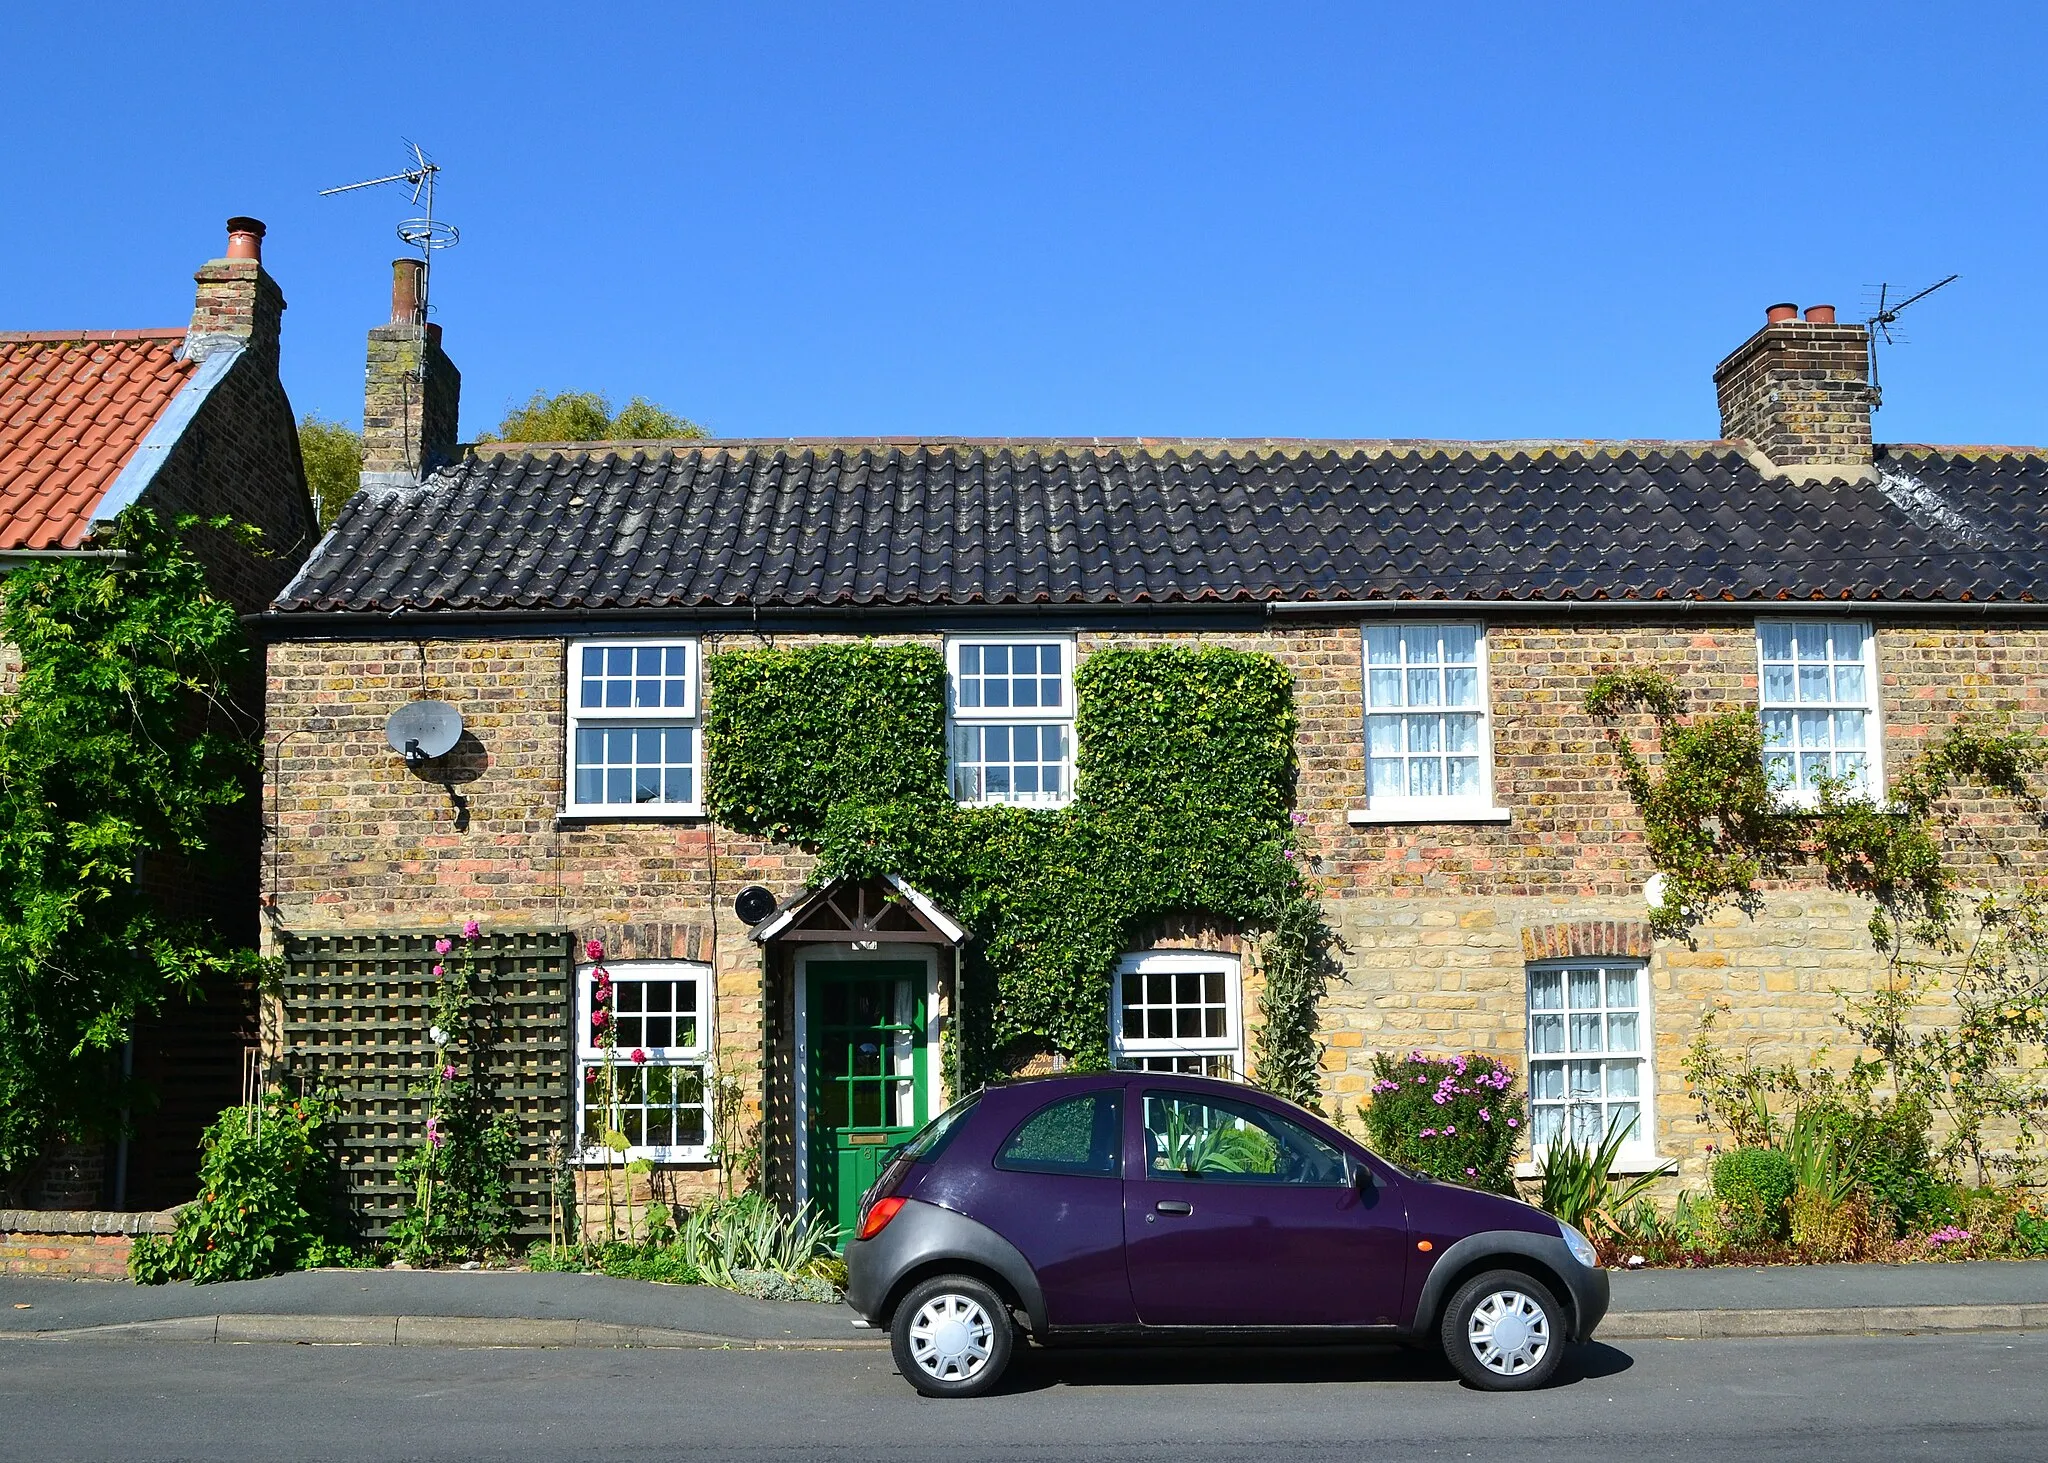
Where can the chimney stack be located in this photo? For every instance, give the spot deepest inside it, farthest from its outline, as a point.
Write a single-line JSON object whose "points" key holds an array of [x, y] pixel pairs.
{"points": [[1799, 392], [411, 390], [237, 301]]}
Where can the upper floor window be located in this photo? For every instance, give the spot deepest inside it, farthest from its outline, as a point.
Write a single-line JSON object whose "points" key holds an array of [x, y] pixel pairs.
{"points": [[633, 734], [1425, 701], [1013, 720], [648, 1082], [1177, 1011], [1819, 705]]}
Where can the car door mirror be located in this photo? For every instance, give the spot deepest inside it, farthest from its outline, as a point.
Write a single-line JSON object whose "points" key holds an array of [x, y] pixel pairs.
{"points": [[1362, 1179]]}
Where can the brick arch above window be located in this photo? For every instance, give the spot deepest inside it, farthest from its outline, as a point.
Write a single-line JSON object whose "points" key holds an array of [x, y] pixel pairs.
{"points": [[1571, 940], [654, 940]]}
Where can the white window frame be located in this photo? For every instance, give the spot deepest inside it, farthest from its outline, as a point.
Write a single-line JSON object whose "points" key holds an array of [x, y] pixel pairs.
{"points": [[590, 1054], [1872, 705], [1638, 1154], [1132, 1052], [1476, 807], [581, 718], [958, 717]]}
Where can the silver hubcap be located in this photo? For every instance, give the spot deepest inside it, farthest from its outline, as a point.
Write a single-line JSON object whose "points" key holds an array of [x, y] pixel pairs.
{"points": [[1508, 1332], [950, 1338]]}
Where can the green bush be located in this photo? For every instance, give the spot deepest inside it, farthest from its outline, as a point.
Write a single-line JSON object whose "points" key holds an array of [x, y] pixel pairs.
{"points": [[267, 1188], [1755, 1187], [1454, 1118]]}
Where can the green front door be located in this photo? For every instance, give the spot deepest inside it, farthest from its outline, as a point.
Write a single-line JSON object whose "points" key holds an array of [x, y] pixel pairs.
{"points": [[866, 1037]]}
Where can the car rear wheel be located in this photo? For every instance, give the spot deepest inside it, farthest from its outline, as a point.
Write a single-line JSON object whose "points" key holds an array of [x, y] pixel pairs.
{"points": [[952, 1337], [1504, 1332]]}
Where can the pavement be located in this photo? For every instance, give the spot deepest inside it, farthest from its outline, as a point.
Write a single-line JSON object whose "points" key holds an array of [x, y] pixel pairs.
{"points": [[514, 1308]]}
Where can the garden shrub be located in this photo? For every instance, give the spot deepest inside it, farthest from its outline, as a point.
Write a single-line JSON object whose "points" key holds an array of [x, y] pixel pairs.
{"points": [[1890, 1155], [268, 1188], [1755, 1187], [1454, 1118]]}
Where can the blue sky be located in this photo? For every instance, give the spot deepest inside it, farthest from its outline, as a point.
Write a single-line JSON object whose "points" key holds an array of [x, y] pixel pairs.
{"points": [[1236, 220]]}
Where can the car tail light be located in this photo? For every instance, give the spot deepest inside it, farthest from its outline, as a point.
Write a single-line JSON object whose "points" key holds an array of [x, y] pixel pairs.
{"points": [[884, 1210]]}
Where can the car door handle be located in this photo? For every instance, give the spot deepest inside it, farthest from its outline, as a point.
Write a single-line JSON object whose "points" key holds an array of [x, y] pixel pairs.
{"points": [[1174, 1206]]}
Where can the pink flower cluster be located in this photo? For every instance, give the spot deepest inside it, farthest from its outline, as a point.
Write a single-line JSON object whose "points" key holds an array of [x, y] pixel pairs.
{"points": [[1948, 1234], [435, 1137]]}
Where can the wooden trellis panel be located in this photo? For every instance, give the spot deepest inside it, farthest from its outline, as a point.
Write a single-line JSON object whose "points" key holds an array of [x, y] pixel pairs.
{"points": [[357, 1009]]}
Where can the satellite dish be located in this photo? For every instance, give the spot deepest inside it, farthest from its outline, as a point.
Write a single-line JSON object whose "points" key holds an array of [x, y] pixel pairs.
{"points": [[420, 731], [753, 904]]}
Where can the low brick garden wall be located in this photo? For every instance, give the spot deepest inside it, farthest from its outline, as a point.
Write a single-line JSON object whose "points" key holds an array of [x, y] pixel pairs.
{"points": [[85, 1244]]}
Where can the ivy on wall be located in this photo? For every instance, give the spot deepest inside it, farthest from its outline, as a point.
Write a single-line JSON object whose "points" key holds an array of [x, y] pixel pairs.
{"points": [[1185, 763]]}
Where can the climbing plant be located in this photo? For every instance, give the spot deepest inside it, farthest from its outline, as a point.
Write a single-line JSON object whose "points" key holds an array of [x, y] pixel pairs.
{"points": [[120, 744], [1960, 1020], [1185, 767]]}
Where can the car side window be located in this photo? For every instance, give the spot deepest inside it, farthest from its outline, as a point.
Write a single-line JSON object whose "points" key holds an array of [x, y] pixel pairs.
{"points": [[1077, 1135], [1221, 1140]]}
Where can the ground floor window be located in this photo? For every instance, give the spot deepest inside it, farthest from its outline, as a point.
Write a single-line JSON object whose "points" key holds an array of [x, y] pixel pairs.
{"points": [[648, 1082], [1178, 1011], [1589, 1064]]}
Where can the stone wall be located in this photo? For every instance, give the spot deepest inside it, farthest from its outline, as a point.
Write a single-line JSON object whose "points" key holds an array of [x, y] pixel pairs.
{"points": [[1439, 920]]}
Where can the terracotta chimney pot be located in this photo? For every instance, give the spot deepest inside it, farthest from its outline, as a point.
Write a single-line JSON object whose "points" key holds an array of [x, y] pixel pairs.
{"points": [[1780, 314], [1820, 314], [245, 238]]}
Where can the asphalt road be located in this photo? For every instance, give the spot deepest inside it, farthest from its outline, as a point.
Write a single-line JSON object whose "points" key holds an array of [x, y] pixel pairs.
{"points": [[1980, 1396]]}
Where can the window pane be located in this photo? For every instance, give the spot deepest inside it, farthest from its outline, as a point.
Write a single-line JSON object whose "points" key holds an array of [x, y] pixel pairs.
{"points": [[1079, 1135], [1848, 642], [1586, 1033], [1849, 683], [1849, 729], [1461, 686], [635, 764], [1546, 1034], [1777, 728], [1461, 644], [1813, 683], [1585, 989], [1621, 1032], [1383, 645], [1546, 990], [1425, 688], [1461, 777], [1546, 1081], [1777, 640], [1621, 986], [1778, 684], [1389, 778], [1385, 734], [1461, 733], [1547, 1126], [1425, 778], [1425, 733], [1385, 687], [1622, 1079]]}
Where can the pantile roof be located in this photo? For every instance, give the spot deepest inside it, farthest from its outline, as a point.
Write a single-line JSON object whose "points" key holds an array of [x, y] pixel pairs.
{"points": [[637, 526], [74, 406]]}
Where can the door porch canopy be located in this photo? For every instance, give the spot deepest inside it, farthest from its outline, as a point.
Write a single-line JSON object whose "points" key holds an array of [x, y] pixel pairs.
{"points": [[862, 912]]}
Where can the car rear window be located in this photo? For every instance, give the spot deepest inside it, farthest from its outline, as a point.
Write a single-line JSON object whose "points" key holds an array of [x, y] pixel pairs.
{"points": [[931, 1140], [1078, 1135]]}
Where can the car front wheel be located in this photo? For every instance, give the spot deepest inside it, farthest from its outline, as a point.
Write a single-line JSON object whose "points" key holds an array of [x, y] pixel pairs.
{"points": [[1504, 1332], [952, 1337]]}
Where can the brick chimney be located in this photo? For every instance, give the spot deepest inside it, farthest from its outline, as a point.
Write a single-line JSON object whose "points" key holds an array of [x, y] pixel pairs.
{"points": [[411, 391], [237, 301], [1799, 392]]}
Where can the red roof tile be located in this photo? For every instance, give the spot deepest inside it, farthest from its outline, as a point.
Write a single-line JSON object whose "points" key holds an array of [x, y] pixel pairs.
{"points": [[74, 406]]}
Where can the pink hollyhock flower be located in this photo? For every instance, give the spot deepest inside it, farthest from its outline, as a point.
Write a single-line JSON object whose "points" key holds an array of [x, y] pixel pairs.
{"points": [[1514, 1122], [593, 949], [447, 1074], [440, 970], [434, 1138], [443, 946], [597, 1018], [639, 1056], [471, 930]]}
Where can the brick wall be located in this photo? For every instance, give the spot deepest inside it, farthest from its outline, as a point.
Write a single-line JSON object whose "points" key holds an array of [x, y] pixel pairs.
{"points": [[1438, 920], [79, 1244]]}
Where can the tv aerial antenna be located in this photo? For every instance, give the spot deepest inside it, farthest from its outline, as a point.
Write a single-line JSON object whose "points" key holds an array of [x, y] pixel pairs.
{"points": [[1880, 326], [424, 233]]}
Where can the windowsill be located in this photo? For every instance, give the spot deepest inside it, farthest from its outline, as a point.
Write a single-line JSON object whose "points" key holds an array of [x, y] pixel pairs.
{"points": [[680, 1157], [1627, 1163], [629, 813], [1028, 807], [1370, 817]]}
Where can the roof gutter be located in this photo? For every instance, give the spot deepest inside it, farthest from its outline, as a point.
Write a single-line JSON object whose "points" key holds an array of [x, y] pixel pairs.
{"points": [[1640, 608]]}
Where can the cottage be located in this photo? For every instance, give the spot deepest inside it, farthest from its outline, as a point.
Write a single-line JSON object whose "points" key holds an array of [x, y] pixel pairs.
{"points": [[187, 420], [1439, 609]]}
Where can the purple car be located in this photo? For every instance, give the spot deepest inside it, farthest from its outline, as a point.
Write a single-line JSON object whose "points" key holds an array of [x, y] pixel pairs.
{"points": [[1150, 1206]]}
